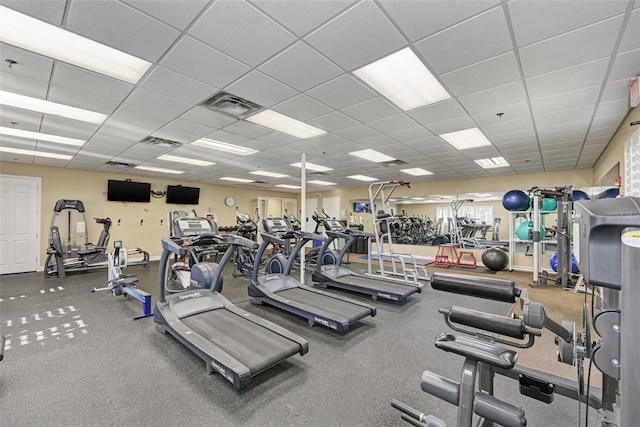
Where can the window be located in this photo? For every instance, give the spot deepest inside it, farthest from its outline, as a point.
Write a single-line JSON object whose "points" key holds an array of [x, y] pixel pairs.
{"points": [[477, 213]]}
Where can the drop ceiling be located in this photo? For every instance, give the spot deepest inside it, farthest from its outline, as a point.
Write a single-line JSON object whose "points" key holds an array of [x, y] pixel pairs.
{"points": [[546, 82]]}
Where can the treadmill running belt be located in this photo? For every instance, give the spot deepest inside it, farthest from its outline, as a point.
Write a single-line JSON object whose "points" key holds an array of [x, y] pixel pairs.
{"points": [[254, 346], [373, 283], [323, 305]]}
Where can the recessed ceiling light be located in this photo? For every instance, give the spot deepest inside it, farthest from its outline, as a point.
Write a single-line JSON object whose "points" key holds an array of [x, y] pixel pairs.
{"points": [[416, 171], [493, 162], [229, 178], [285, 124], [223, 146], [293, 187], [417, 198], [312, 167], [372, 155], [49, 40], [40, 136], [161, 170], [48, 107], [269, 174], [404, 79], [319, 182], [185, 160], [362, 177], [465, 139], [35, 153]]}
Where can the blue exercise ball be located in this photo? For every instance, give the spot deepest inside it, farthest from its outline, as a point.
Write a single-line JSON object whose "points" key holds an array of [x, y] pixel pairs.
{"points": [[553, 263], [610, 193], [523, 230], [579, 195], [515, 200]]}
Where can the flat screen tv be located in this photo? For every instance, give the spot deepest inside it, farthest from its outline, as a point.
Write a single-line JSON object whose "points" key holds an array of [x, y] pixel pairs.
{"points": [[179, 195], [359, 207], [128, 191]]}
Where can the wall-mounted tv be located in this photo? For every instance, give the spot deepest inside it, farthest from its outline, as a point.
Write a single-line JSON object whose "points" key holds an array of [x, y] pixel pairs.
{"points": [[359, 207], [179, 195], [128, 191]]}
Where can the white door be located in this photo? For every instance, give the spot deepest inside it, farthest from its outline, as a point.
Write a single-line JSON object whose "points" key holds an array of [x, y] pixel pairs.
{"points": [[19, 224]]}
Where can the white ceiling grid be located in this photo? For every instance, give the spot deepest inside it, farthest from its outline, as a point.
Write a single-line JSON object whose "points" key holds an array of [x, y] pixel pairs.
{"points": [[557, 71]]}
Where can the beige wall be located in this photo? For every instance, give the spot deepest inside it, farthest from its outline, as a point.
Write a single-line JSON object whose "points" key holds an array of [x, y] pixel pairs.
{"points": [[91, 187], [614, 153]]}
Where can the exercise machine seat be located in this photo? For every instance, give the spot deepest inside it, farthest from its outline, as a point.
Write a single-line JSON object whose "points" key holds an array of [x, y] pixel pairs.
{"points": [[475, 349]]}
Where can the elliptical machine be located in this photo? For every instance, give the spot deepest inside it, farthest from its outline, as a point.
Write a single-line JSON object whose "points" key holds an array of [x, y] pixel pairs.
{"points": [[244, 257]]}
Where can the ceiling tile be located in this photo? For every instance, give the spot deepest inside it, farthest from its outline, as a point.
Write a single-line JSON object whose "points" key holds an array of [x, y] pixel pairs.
{"points": [[51, 11], [507, 113], [438, 112], [183, 131], [615, 90], [357, 133], [29, 65], [300, 67], [66, 127], [302, 108], [23, 86], [483, 75], [341, 92], [87, 81], [630, 39], [155, 102], [302, 16], [365, 35], [418, 18], [207, 117], [476, 39], [533, 23], [392, 123], [410, 133], [564, 116], [510, 126], [583, 45], [219, 27], [508, 94], [203, 63], [248, 129], [371, 110], [568, 79], [178, 14], [174, 85], [566, 100], [78, 99], [261, 89], [333, 122], [121, 27]]}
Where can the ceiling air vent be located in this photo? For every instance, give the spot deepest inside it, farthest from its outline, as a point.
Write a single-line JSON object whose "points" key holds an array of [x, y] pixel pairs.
{"points": [[231, 105], [318, 173], [160, 142], [120, 164], [393, 163]]}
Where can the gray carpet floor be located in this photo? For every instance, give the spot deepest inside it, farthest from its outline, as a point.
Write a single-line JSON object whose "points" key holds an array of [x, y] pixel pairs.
{"points": [[77, 358]]}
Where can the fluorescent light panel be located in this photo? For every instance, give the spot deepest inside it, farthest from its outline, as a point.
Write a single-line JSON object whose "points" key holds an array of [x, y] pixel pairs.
{"points": [[269, 174], [224, 146], [285, 124], [185, 160], [362, 178], [161, 170], [319, 182], [416, 171], [40, 136], [403, 79], [229, 178], [48, 107], [36, 36], [35, 153], [312, 167], [493, 162], [465, 139], [372, 155], [293, 187]]}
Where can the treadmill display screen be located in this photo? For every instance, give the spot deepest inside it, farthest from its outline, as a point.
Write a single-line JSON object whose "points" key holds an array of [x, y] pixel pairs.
{"points": [[275, 225], [194, 227]]}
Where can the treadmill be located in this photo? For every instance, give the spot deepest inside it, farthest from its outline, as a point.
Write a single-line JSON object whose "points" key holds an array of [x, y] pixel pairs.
{"points": [[279, 289], [233, 342], [330, 272]]}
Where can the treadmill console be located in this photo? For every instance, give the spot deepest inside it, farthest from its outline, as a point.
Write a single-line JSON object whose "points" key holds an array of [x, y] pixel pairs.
{"points": [[333, 225], [193, 227], [275, 225]]}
